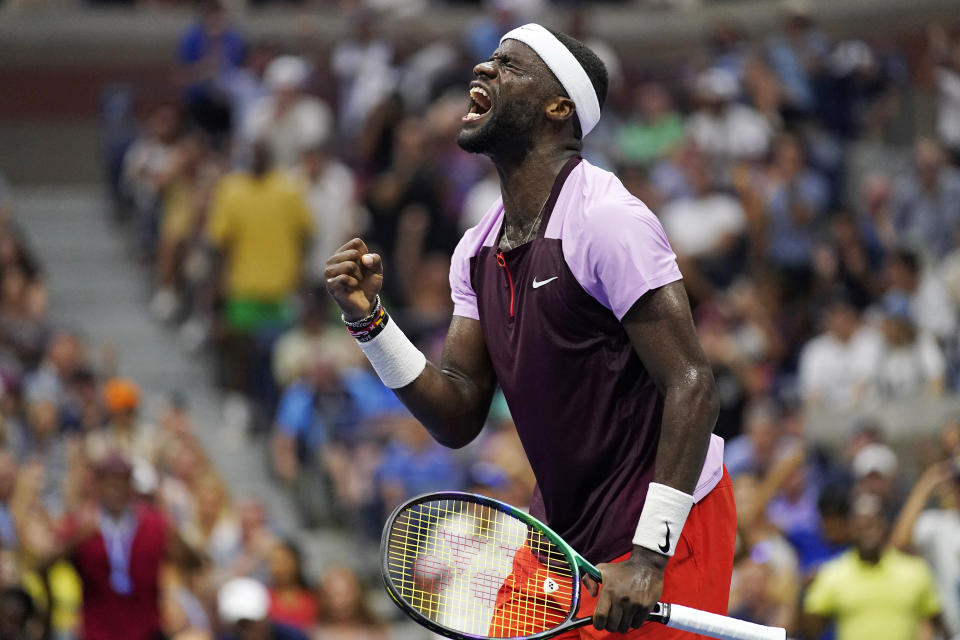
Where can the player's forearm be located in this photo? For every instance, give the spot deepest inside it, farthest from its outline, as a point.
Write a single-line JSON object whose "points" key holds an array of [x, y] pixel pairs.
{"points": [[448, 403], [690, 410]]}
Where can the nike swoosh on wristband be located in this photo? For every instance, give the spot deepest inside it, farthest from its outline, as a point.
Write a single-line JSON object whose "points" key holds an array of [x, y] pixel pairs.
{"points": [[537, 285], [665, 548]]}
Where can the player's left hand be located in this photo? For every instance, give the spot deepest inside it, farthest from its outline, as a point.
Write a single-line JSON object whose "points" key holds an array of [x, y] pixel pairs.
{"points": [[630, 590]]}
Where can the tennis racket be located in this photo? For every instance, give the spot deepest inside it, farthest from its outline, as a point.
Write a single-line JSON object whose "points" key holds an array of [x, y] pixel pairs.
{"points": [[470, 567]]}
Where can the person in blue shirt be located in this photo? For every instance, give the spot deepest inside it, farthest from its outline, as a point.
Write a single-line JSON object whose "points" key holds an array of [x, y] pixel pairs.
{"points": [[208, 50]]}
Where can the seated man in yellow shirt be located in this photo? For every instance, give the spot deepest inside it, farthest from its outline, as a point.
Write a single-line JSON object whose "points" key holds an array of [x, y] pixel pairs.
{"points": [[873, 592]]}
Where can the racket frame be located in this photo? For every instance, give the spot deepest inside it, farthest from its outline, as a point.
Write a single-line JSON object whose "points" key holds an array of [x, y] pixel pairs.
{"points": [[579, 565]]}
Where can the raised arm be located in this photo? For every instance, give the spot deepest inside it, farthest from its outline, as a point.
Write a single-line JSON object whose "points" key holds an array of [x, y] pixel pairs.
{"points": [[451, 400]]}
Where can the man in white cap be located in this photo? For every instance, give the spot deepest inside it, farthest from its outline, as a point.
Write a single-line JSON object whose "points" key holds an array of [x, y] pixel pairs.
{"points": [[287, 119], [568, 296], [242, 605]]}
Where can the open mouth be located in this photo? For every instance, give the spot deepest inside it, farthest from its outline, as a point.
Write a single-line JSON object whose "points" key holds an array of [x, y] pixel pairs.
{"points": [[480, 104]]}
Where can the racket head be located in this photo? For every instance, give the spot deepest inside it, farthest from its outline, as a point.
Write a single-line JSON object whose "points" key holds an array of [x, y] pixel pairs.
{"points": [[446, 557]]}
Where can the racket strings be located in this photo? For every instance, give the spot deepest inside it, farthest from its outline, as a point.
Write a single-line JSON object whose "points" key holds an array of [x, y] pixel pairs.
{"points": [[452, 561]]}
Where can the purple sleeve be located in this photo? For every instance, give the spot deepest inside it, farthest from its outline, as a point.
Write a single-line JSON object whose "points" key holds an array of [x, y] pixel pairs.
{"points": [[620, 253], [464, 298]]}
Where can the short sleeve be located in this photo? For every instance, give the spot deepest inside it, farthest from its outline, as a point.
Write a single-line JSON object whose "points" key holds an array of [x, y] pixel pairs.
{"points": [[821, 598], [928, 604], [627, 254], [461, 290], [295, 413], [218, 227]]}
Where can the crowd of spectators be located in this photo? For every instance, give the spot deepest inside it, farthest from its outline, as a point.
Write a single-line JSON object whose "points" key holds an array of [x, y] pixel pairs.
{"points": [[820, 246], [114, 523]]}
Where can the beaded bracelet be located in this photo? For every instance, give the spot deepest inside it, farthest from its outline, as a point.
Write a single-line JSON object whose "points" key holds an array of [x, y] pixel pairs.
{"points": [[371, 326], [362, 322]]}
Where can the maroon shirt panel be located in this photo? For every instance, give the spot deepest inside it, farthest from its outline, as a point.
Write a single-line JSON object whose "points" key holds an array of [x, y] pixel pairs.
{"points": [[587, 412]]}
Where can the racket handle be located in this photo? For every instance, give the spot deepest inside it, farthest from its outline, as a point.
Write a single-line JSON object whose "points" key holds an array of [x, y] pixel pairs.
{"points": [[714, 625]]}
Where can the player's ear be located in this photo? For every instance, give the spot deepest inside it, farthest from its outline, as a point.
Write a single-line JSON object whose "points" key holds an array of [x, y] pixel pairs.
{"points": [[560, 109]]}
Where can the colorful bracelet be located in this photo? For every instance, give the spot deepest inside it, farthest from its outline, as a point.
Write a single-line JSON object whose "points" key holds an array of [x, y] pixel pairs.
{"points": [[377, 322]]}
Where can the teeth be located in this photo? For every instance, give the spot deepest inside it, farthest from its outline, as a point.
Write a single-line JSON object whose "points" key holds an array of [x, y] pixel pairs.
{"points": [[472, 116], [479, 90]]}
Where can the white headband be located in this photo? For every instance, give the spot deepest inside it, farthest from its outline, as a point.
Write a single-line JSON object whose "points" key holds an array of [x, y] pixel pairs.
{"points": [[564, 65]]}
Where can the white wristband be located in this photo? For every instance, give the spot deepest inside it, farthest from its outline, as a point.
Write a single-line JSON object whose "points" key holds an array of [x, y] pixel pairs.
{"points": [[395, 359], [664, 513]]}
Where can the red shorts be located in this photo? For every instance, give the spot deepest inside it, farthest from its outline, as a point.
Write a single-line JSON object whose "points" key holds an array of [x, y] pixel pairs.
{"points": [[698, 575]]}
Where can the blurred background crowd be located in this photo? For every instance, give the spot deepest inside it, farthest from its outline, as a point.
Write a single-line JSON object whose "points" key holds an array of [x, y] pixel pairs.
{"points": [[815, 213]]}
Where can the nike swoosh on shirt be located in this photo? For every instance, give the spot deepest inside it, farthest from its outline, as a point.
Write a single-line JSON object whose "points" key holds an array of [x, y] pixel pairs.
{"points": [[537, 285]]}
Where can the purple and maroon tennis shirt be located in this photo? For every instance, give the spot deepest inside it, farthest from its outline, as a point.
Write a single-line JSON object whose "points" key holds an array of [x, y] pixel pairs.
{"points": [[586, 410]]}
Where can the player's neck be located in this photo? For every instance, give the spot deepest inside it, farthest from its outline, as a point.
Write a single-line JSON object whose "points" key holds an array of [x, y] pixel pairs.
{"points": [[526, 182]]}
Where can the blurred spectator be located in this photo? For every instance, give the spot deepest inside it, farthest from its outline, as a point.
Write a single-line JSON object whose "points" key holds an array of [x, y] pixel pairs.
{"points": [[893, 602], [414, 463], [312, 412], [244, 85], [363, 64], [797, 54], [928, 201], [875, 468], [23, 307], [45, 448], [65, 353], [406, 205], [877, 212], [261, 226], [725, 129], [188, 186], [483, 36], [753, 593], [183, 580], [910, 363], [934, 532], [756, 449], [8, 480], [210, 48], [655, 130], [291, 600], [755, 532], [117, 547], [243, 605], [19, 618], [125, 432], [706, 230], [214, 528], [837, 367], [945, 52], [845, 260], [928, 301], [147, 166], [796, 201], [331, 197], [287, 120], [344, 613]]}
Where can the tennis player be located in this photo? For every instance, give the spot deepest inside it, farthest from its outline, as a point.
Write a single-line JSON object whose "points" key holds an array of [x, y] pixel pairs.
{"points": [[568, 296]]}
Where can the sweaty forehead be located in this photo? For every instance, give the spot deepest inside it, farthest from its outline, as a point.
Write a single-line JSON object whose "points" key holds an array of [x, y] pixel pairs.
{"points": [[522, 55], [529, 61]]}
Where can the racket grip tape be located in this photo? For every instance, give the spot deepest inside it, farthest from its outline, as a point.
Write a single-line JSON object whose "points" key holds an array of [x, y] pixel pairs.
{"points": [[714, 625]]}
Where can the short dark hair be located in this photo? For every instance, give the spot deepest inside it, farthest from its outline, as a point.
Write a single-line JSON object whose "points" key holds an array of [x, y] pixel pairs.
{"points": [[592, 64]]}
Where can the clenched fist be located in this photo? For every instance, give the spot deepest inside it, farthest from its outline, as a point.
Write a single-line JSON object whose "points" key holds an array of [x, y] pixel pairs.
{"points": [[354, 277]]}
